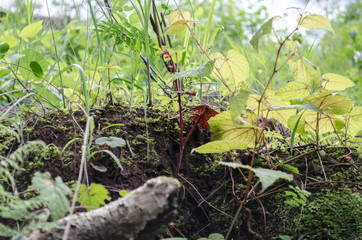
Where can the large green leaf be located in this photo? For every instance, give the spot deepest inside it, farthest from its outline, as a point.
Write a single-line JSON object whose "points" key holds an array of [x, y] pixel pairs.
{"points": [[220, 146], [267, 176], [266, 28], [33, 61], [94, 196], [54, 193], [4, 71], [334, 81], [332, 103], [270, 99], [237, 104], [355, 121], [303, 71], [201, 71], [293, 90], [326, 122], [312, 21], [31, 30], [234, 66], [223, 128]]}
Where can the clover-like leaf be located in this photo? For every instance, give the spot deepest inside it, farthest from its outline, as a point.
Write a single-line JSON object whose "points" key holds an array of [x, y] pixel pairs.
{"points": [[312, 21], [111, 141], [220, 146], [334, 81]]}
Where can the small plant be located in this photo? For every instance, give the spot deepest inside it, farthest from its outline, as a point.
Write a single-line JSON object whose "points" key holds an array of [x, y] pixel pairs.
{"points": [[298, 196]]}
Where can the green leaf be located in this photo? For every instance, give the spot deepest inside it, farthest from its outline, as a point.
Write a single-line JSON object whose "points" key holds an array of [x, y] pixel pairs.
{"points": [[54, 193], [4, 71], [116, 159], [223, 128], [27, 63], [111, 141], [293, 90], [336, 82], [123, 193], [31, 30], [297, 106], [4, 48], [201, 71], [266, 28], [220, 146], [15, 57], [94, 196], [36, 68], [216, 236], [267, 176], [235, 165], [332, 103], [237, 104], [312, 21]]}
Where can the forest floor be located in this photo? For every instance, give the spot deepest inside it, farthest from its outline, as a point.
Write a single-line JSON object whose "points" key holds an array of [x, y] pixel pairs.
{"points": [[211, 192]]}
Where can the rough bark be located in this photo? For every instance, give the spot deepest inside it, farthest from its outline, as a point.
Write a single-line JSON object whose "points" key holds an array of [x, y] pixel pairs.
{"points": [[140, 215]]}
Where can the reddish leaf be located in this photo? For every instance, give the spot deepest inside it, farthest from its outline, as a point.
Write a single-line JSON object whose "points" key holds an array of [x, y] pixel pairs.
{"points": [[205, 113]]}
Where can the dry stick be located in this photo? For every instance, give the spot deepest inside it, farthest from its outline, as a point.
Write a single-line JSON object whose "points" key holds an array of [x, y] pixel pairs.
{"points": [[80, 176], [320, 161]]}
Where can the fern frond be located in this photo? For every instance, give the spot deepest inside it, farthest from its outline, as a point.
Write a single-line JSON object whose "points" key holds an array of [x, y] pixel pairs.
{"points": [[4, 130]]}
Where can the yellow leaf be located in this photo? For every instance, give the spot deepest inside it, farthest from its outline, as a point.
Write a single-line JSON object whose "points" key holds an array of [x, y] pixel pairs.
{"points": [[355, 121], [234, 66], [293, 90], [178, 22], [223, 128], [303, 71], [31, 30], [312, 21], [334, 81], [282, 115], [326, 123]]}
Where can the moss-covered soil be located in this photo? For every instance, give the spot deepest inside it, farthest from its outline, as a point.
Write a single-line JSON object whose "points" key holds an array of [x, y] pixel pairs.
{"points": [[211, 193]]}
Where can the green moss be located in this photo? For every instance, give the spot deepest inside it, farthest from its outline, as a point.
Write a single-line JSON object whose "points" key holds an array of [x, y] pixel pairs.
{"points": [[332, 215]]}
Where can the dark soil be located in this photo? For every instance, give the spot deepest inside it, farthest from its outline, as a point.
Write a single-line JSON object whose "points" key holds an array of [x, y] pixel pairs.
{"points": [[212, 193]]}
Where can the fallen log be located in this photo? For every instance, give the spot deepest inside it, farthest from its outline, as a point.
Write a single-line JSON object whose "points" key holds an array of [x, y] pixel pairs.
{"points": [[140, 215]]}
